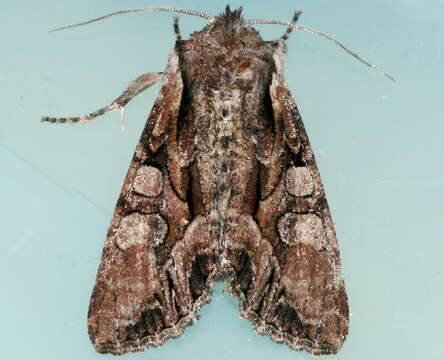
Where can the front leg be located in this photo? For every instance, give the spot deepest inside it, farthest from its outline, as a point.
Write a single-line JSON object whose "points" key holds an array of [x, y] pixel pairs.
{"points": [[142, 83]]}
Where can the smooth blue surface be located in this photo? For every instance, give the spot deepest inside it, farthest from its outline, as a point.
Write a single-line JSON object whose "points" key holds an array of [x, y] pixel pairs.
{"points": [[379, 147]]}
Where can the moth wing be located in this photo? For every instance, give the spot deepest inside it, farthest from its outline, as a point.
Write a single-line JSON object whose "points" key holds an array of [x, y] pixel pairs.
{"points": [[298, 295], [139, 298]]}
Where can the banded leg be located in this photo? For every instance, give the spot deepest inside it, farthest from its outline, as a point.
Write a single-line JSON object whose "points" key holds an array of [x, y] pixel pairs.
{"points": [[176, 28], [290, 28], [135, 88]]}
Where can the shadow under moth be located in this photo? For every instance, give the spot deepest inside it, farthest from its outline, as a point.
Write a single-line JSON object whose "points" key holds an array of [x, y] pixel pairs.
{"points": [[223, 184]]}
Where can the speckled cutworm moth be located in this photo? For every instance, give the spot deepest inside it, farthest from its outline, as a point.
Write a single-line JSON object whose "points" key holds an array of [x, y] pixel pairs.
{"points": [[223, 184]]}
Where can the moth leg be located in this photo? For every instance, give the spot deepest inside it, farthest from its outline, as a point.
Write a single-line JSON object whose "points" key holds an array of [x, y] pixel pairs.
{"points": [[296, 15], [135, 88], [176, 28]]}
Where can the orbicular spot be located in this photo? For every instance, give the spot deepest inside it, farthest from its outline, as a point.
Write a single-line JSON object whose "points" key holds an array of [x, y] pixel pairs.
{"points": [[305, 228], [141, 229], [299, 181], [148, 181]]}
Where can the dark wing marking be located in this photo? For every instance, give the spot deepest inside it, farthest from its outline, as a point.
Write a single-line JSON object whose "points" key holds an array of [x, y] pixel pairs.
{"points": [[297, 296], [150, 281]]}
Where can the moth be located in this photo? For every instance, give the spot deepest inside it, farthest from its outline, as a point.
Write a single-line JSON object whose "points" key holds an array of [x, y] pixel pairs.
{"points": [[223, 184]]}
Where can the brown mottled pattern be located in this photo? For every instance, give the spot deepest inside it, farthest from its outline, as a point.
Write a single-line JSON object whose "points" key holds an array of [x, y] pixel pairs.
{"points": [[223, 183]]}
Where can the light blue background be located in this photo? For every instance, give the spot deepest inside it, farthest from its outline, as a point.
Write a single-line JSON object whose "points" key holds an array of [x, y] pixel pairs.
{"points": [[379, 146]]}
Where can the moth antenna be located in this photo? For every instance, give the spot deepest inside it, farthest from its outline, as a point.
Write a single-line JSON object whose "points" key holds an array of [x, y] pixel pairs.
{"points": [[346, 49], [325, 36], [115, 13], [290, 28], [176, 28]]}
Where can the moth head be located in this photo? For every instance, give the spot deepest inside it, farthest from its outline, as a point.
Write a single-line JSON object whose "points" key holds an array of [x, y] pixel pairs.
{"points": [[229, 16], [229, 29]]}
